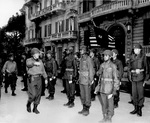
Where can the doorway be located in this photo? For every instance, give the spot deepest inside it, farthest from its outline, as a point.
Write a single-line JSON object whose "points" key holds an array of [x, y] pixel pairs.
{"points": [[118, 33]]}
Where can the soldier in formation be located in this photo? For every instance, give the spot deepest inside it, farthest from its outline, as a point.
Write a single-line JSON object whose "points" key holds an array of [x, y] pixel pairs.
{"points": [[51, 70], [138, 75]]}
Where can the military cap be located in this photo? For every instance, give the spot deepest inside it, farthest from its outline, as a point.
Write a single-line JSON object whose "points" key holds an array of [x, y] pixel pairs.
{"points": [[34, 51], [49, 52], [115, 51], [84, 48], [11, 55], [93, 50], [107, 52], [137, 46]]}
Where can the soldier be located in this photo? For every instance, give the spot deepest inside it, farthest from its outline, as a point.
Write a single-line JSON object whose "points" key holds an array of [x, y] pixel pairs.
{"points": [[108, 84], [51, 70], [119, 65], [35, 69], [62, 70], [96, 65], [24, 72], [86, 75], [138, 75], [77, 88], [10, 72], [69, 76]]}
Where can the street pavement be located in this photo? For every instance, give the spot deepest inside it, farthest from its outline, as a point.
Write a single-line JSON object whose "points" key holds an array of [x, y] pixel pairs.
{"points": [[13, 109]]}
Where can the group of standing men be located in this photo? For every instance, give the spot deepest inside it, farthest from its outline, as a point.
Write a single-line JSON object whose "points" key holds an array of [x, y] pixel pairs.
{"points": [[87, 73]]}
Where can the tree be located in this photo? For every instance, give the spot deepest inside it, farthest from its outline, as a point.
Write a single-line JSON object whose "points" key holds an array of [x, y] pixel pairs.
{"points": [[15, 31]]}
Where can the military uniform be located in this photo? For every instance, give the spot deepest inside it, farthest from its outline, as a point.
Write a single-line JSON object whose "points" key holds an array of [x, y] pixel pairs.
{"points": [[139, 72], [96, 65], [69, 75], [34, 81], [86, 75], [51, 70], [10, 71], [119, 66], [108, 84]]}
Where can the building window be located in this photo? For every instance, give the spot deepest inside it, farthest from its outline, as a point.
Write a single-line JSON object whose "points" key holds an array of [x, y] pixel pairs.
{"points": [[146, 32], [56, 27], [67, 24], [88, 5], [49, 29], [106, 1], [30, 34], [45, 28]]}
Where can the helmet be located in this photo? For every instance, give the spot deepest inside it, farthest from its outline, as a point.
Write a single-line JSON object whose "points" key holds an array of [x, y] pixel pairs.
{"points": [[107, 52], [49, 52], [115, 51], [34, 51], [137, 46], [84, 48]]}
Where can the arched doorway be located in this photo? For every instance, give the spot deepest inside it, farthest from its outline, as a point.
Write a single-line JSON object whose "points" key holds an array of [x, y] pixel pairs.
{"points": [[118, 33]]}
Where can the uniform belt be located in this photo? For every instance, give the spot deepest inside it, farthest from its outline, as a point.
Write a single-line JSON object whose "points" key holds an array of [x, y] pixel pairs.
{"points": [[69, 69], [107, 79], [134, 71], [84, 73], [37, 75]]}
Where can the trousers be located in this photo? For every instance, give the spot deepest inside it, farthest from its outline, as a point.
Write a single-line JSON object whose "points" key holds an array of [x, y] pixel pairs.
{"points": [[34, 89]]}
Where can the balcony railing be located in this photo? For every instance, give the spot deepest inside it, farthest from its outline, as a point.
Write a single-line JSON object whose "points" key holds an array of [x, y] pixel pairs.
{"points": [[32, 41], [111, 7], [142, 3], [28, 2], [84, 17], [48, 10], [62, 35]]}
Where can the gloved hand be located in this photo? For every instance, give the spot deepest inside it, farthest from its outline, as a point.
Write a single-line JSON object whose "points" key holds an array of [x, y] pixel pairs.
{"points": [[114, 92], [110, 96]]}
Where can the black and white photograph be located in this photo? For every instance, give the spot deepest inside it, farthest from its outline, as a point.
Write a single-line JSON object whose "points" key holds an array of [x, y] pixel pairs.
{"points": [[74, 61]]}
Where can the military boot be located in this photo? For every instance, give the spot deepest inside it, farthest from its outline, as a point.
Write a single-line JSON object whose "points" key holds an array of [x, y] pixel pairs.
{"points": [[104, 118], [135, 110], [67, 104], [86, 112], [109, 120], [13, 93], [80, 112], [35, 110], [28, 106], [139, 112]]}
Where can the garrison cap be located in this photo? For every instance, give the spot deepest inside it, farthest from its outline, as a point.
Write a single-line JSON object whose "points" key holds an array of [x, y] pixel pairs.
{"points": [[107, 52], [137, 46], [115, 51], [34, 51]]}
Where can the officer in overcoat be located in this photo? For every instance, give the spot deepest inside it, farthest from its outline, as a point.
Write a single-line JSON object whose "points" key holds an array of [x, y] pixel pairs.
{"points": [[119, 65], [138, 75], [35, 70], [86, 76], [108, 85]]}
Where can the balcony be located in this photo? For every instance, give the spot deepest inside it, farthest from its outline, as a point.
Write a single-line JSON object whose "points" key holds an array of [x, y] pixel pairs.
{"points": [[111, 8], [48, 10], [32, 41], [142, 3], [29, 2], [61, 36], [84, 17]]}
